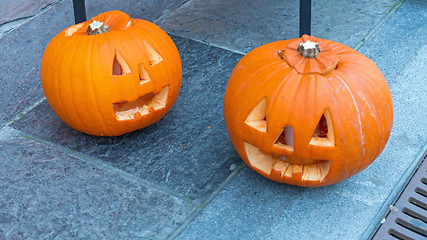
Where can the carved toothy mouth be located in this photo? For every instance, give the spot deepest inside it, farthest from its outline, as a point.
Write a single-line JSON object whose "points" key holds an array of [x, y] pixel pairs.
{"points": [[128, 110], [267, 163]]}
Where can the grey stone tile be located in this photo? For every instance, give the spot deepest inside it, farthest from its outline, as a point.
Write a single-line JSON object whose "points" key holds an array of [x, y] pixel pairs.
{"points": [[243, 25], [20, 58], [47, 194], [148, 9], [13, 10], [188, 151], [398, 40], [244, 209]]}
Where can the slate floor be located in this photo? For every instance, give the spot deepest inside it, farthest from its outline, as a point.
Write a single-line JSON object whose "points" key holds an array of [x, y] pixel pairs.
{"points": [[181, 178]]}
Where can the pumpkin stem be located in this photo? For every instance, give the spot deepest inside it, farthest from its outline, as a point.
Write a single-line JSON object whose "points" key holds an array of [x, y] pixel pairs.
{"points": [[309, 49], [97, 27]]}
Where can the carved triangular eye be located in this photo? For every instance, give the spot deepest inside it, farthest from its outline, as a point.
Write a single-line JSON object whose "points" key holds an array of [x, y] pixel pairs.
{"points": [[257, 117], [153, 56], [143, 74], [286, 138], [120, 67], [324, 133]]}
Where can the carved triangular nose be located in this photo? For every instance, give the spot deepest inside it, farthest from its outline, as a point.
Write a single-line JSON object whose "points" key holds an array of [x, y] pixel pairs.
{"points": [[286, 138], [144, 77]]}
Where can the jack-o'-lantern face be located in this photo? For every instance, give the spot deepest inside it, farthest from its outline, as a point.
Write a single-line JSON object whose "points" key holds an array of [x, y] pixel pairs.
{"points": [[297, 119], [111, 75], [280, 159]]}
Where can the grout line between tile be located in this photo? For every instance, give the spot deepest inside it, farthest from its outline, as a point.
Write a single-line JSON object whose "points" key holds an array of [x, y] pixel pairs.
{"points": [[205, 203], [170, 11], [23, 20], [159, 19], [374, 30], [206, 43], [23, 113], [101, 164]]}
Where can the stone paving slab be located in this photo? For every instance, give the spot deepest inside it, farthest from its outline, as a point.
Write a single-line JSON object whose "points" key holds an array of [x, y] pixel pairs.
{"points": [[20, 58], [188, 151], [344, 210], [149, 10], [48, 194], [242, 25], [17, 9], [397, 41], [244, 209]]}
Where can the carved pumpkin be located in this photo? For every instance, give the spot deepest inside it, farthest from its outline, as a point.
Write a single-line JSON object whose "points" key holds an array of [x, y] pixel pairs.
{"points": [[111, 75], [308, 111]]}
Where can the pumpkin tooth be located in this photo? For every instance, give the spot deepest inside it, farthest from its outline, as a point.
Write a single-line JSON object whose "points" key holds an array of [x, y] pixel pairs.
{"points": [[285, 167], [324, 169], [131, 110], [279, 165], [297, 168], [159, 100], [289, 171], [311, 173], [258, 159], [269, 164]]}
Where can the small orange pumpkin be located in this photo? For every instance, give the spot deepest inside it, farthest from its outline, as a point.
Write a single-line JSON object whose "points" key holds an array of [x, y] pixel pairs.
{"points": [[111, 75], [307, 111]]}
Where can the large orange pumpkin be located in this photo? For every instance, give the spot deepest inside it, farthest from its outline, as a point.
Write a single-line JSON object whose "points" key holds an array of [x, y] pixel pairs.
{"points": [[111, 75], [307, 111]]}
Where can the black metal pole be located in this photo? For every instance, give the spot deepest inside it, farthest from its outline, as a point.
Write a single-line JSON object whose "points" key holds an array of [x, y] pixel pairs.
{"points": [[79, 11], [305, 17]]}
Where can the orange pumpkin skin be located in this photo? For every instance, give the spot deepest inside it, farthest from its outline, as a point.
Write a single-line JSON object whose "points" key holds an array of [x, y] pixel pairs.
{"points": [[114, 82], [341, 84]]}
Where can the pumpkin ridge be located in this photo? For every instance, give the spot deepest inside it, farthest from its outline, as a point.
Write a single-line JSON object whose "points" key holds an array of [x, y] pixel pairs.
{"points": [[362, 139], [69, 79], [367, 99], [82, 49], [93, 61], [59, 97]]}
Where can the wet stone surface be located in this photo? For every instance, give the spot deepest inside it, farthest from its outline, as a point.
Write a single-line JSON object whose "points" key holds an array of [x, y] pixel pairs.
{"points": [[17, 9], [188, 151], [20, 58], [148, 9], [244, 25], [47, 194]]}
